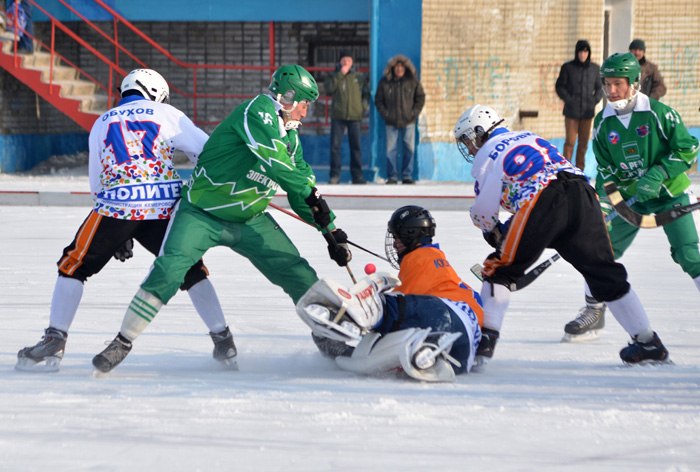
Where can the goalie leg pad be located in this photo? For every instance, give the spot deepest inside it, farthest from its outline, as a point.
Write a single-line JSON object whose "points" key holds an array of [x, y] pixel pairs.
{"points": [[407, 350], [377, 354]]}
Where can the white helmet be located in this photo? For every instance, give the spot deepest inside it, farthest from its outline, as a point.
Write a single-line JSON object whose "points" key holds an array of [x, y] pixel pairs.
{"points": [[149, 83], [475, 124]]}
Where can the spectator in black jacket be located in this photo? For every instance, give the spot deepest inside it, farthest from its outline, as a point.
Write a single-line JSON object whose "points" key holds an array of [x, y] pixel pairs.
{"points": [[580, 86], [400, 99]]}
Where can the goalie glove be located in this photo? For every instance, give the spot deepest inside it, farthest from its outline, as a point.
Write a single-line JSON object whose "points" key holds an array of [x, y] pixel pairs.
{"points": [[335, 312], [126, 251]]}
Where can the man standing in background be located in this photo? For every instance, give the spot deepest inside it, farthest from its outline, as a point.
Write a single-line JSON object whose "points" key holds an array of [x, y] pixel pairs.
{"points": [[579, 86], [652, 84], [400, 99], [350, 101]]}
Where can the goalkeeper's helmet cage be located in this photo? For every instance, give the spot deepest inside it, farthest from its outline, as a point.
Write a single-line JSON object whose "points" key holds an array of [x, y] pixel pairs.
{"points": [[414, 226], [149, 83], [293, 83]]}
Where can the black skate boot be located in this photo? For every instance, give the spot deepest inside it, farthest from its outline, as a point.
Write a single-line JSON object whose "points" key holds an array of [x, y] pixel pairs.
{"points": [[588, 325], [112, 355], [48, 351], [484, 352], [652, 352], [331, 348], [224, 349]]}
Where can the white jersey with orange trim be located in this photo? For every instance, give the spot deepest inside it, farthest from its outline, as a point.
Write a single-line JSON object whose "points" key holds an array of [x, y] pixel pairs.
{"points": [[132, 176], [511, 168]]}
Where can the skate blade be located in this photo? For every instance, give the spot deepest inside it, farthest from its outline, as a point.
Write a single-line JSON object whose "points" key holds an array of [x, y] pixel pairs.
{"points": [[479, 366], [649, 363], [229, 364], [582, 338], [98, 374], [48, 365]]}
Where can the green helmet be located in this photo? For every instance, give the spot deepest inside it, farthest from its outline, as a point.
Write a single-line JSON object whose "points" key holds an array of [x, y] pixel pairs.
{"points": [[293, 84], [621, 65]]}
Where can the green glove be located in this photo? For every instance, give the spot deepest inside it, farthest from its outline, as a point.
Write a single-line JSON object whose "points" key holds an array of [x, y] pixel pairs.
{"points": [[649, 186]]}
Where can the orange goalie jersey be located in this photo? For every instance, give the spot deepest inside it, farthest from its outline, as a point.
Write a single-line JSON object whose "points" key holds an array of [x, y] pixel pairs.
{"points": [[426, 271]]}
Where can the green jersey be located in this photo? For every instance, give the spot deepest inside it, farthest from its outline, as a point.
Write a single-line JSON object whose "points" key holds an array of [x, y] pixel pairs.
{"points": [[627, 146], [247, 158]]}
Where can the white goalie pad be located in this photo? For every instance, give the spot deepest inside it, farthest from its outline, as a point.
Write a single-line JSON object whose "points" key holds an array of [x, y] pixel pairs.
{"points": [[345, 314], [318, 318], [407, 350]]}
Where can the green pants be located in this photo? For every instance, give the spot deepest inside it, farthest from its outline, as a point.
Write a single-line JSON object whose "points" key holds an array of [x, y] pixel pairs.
{"points": [[261, 240], [682, 234]]}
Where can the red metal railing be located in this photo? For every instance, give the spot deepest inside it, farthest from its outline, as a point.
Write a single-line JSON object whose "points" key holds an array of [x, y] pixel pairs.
{"points": [[116, 72]]}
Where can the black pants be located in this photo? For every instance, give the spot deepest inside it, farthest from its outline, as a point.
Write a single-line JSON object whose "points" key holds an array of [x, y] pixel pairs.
{"points": [[566, 217], [99, 237]]}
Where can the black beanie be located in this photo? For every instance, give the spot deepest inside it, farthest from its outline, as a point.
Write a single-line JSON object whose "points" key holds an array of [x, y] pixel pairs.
{"points": [[638, 44], [343, 54]]}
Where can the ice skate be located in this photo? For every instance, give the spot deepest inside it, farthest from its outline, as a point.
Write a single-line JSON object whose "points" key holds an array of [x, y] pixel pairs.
{"points": [[652, 352], [485, 350], [46, 355], [112, 356], [588, 325], [224, 349], [331, 348]]}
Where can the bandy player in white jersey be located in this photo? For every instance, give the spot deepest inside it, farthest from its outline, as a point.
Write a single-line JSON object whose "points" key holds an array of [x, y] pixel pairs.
{"points": [[134, 185], [553, 206]]}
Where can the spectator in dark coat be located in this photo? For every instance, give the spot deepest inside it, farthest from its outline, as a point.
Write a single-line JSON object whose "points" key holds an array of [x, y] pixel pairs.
{"points": [[652, 84], [400, 99], [580, 87]]}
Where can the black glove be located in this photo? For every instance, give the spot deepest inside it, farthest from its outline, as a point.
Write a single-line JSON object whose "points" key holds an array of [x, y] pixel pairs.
{"points": [[126, 251], [319, 208], [338, 247], [332, 348], [495, 236]]}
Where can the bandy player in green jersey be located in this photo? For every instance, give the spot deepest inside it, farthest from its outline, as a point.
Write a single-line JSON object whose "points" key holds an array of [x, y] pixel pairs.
{"points": [[643, 146], [248, 157]]}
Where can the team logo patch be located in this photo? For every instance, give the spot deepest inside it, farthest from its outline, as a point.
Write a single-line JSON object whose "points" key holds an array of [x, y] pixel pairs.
{"points": [[643, 131], [613, 137], [631, 151]]}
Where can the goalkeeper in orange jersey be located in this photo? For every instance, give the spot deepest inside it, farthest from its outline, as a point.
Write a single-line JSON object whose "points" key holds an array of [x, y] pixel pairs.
{"points": [[429, 325]]}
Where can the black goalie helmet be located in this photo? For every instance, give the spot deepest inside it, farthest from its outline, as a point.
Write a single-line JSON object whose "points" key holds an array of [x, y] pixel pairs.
{"points": [[412, 226]]}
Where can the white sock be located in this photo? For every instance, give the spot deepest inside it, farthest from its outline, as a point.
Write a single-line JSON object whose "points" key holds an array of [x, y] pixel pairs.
{"points": [[629, 312], [142, 309], [207, 304], [496, 299], [67, 294]]}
